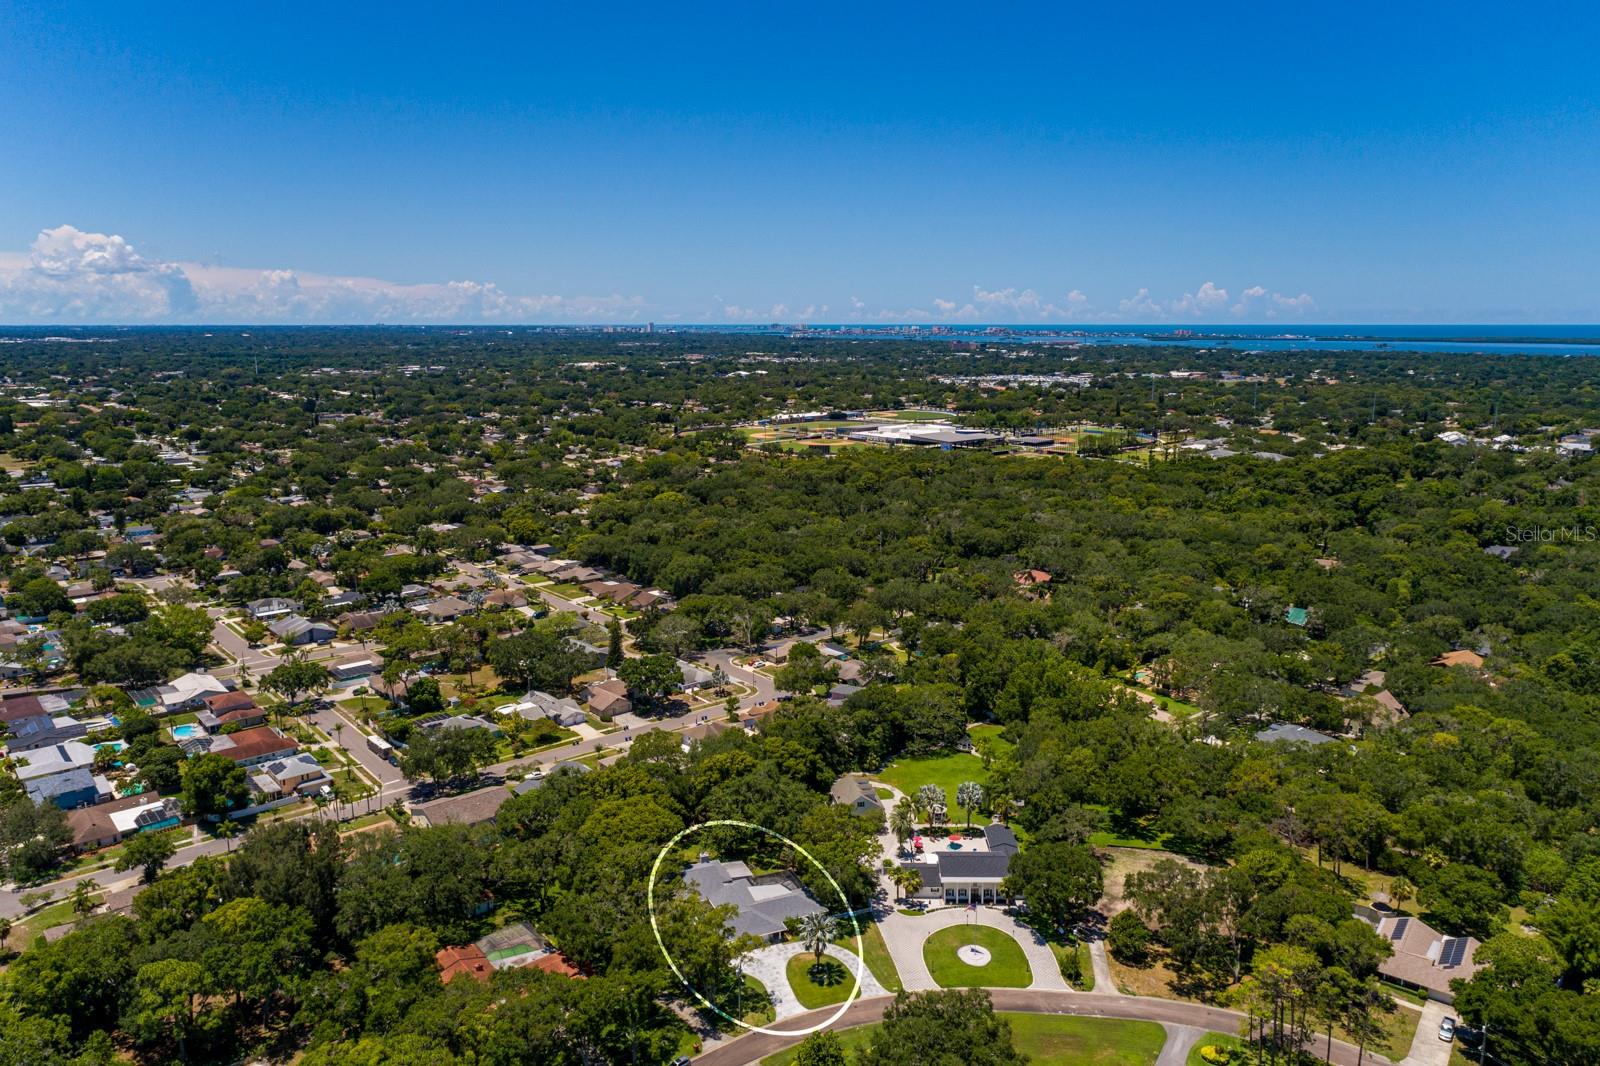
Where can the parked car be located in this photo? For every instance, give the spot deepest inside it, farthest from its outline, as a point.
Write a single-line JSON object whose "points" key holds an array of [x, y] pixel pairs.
{"points": [[1447, 1030]]}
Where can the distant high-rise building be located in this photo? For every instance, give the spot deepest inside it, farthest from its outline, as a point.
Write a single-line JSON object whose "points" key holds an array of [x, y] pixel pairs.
{"points": [[649, 327]]}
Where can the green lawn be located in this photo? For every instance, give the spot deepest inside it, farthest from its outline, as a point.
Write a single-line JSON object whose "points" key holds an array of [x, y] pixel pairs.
{"points": [[879, 961], [365, 704], [1047, 1040], [1125, 837], [1007, 967], [1058, 1039], [1214, 1039], [987, 739], [820, 984], [1066, 955], [946, 771]]}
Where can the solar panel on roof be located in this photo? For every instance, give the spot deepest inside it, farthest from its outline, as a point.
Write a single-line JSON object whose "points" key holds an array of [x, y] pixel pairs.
{"points": [[1399, 929], [1455, 949]]}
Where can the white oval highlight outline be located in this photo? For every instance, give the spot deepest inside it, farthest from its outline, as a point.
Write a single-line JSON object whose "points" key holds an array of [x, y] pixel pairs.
{"points": [[855, 925]]}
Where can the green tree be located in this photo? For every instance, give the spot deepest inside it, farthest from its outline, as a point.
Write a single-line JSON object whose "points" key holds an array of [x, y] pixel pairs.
{"points": [[164, 1002], [614, 655], [149, 852], [444, 754], [295, 678], [1059, 881], [903, 821], [942, 1027], [817, 932], [651, 677], [969, 797], [820, 1049], [213, 785]]}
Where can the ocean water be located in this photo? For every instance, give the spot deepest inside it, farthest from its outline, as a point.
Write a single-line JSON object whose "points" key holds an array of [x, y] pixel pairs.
{"points": [[1494, 340]]}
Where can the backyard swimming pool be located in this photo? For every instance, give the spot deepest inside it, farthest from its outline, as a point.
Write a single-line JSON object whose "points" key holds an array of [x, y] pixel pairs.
{"points": [[185, 732]]}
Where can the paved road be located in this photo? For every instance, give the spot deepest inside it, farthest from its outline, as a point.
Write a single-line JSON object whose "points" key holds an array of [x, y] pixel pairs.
{"points": [[753, 1047], [1180, 1038]]}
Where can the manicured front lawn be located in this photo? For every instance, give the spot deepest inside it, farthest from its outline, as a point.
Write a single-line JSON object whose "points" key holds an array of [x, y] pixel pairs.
{"points": [[365, 704], [946, 771], [879, 961], [1007, 966], [820, 984], [1047, 1040]]}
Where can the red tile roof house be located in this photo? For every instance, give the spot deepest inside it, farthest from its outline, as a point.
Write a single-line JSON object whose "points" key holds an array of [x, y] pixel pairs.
{"points": [[247, 747], [465, 961]]}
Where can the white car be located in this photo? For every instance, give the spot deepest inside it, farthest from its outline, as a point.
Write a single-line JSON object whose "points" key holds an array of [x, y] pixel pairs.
{"points": [[1447, 1030]]}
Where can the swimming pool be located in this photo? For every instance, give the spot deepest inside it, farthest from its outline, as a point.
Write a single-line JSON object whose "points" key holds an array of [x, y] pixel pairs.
{"points": [[186, 732]]}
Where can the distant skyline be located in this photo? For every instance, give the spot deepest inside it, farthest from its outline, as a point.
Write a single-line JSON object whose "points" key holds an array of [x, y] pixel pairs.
{"points": [[1094, 164]]}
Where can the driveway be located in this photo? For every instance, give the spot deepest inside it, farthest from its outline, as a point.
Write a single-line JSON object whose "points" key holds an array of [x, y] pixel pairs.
{"points": [[1426, 1047], [769, 966], [904, 936]]}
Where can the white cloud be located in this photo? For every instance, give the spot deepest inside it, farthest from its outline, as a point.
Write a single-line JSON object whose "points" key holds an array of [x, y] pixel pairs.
{"points": [[1208, 303], [69, 275]]}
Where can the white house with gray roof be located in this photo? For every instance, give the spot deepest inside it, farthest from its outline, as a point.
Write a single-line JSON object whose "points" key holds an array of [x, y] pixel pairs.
{"points": [[763, 904]]}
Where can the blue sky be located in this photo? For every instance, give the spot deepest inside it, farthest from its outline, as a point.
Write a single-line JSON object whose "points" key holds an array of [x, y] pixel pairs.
{"points": [[703, 163]]}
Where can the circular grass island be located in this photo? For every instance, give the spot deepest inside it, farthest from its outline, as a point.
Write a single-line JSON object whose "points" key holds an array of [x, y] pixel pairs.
{"points": [[819, 984], [1007, 966]]}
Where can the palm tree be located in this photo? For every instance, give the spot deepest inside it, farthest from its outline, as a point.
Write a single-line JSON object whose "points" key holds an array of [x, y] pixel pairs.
{"points": [[83, 901], [969, 797], [816, 931], [907, 880], [903, 821], [227, 829], [1400, 890], [930, 797]]}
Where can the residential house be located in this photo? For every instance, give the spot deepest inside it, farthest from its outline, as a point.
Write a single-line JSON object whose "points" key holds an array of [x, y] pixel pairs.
{"points": [[445, 609], [188, 692], [974, 874], [271, 607], [1462, 657], [360, 621], [468, 961], [608, 698], [857, 793], [473, 808], [294, 630], [111, 822], [356, 667], [298, 773], [763, 905], [506, 598], [841, 692], [344, 600], [1423, 958], [558, 709], [694, 676], [247, 747], [457, 721], [62, 774], [41, 730], [1287, 733]]}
